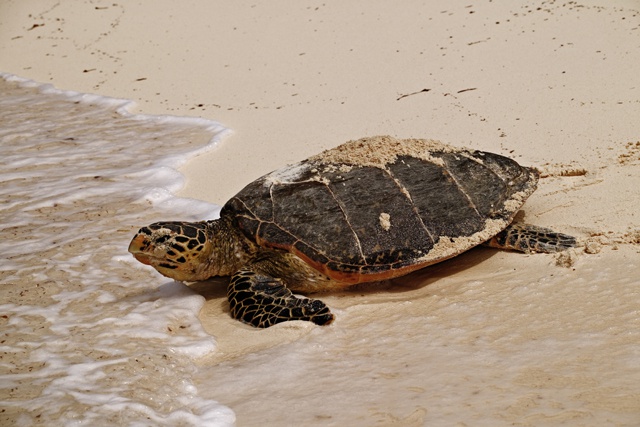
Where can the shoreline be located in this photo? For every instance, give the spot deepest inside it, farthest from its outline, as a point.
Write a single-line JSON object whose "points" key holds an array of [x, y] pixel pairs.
{"points": [[510, 338]]}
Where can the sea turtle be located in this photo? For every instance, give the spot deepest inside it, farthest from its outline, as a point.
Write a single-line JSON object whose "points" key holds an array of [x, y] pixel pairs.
{"points": [[368, 210]]}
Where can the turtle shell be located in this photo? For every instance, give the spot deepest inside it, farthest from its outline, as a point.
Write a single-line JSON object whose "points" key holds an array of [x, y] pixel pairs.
{"points": [[380, 207]]}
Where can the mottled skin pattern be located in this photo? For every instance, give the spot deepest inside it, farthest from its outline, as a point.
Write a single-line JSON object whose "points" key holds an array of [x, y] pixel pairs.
{"points": [[318, 226], [261, 301], [257, 294], [530, 239]]}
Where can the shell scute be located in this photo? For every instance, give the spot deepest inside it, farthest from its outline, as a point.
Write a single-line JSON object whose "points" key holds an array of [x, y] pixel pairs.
{"points": [[441, 203]]}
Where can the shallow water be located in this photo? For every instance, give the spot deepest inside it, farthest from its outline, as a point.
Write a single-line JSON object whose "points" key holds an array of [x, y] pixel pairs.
{"points": [[529, 344], [88, 337]]}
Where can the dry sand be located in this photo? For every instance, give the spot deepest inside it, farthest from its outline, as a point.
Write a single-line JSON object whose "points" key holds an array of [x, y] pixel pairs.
{"points": [[552, 84]]}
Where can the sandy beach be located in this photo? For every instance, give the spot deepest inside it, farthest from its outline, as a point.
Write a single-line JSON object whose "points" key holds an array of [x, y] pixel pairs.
{"points": [[488, 338]]}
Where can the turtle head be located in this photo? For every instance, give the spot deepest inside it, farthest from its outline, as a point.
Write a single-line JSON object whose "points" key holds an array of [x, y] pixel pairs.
{"points": [[179, 250]]}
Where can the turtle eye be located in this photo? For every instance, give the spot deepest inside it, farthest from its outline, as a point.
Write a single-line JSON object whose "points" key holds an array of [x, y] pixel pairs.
{"points": [[163, 238]]}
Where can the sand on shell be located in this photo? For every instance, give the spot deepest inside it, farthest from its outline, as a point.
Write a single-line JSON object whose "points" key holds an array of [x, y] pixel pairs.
{"points": [[553, 85]]}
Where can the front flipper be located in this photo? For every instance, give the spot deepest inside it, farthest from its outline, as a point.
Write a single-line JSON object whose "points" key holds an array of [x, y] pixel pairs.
{"points": [[263, 301], [531, 238]]}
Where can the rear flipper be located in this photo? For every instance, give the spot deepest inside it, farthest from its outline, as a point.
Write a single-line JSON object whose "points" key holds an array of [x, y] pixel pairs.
{"points": [[531, 238], [263, 301]]}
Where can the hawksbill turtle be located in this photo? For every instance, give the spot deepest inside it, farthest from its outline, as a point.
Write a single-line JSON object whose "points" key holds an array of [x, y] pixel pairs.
{"points": [[368, 210]]}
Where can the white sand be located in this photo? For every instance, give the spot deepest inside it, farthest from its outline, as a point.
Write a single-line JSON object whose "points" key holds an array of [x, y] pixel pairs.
{"points": [[554, 85]]}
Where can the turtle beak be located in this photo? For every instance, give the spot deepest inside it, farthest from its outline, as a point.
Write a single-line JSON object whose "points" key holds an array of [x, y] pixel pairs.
{"points": [[136, 249], [143, 258]]}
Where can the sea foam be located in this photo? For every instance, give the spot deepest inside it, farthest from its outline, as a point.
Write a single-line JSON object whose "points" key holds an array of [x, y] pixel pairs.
{"points": [[90, 337]]}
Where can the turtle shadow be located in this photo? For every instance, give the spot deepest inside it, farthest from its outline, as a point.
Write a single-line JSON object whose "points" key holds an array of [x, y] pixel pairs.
{"points": [[426, 276], [214, 291], [213, 288], [216, 288]]}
